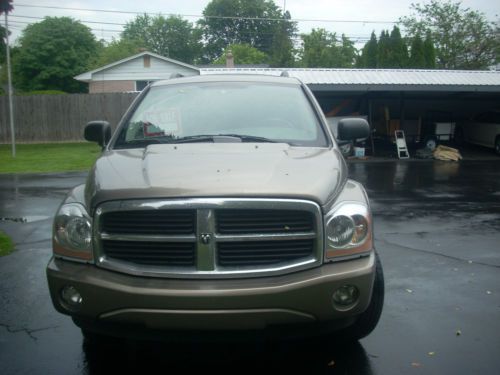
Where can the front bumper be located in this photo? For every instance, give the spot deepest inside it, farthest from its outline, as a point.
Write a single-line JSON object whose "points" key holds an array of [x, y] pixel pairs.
{"points": [[302, 298]]}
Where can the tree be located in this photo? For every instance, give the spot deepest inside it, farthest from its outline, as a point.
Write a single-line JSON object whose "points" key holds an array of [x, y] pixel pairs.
{"points": [[398, 50], [6, 6], [463, 38], [253, 22], [2, 45], [390, 52], [51, 53], [348, 52], [322, 49], [172, 37], [417, 53], [282, 50], [429, 52], [115, 50], [384, 50], [317, 48], [368, 57], [243, 54]]}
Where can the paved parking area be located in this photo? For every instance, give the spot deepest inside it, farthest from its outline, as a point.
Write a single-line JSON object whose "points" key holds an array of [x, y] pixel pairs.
{"points": [[437, 232]]}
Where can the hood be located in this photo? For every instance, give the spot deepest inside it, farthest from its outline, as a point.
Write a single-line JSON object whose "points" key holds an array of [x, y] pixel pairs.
{"points": [[217, 170]]}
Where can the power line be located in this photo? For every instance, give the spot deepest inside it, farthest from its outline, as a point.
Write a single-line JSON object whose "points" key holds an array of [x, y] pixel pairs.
{"points": [[99, 22], [353, 37], [210, 17], [91, 28]]}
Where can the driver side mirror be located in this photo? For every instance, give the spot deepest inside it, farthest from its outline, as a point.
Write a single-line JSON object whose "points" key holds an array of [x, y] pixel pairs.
{"points": [[350, 129], [98, 131]]}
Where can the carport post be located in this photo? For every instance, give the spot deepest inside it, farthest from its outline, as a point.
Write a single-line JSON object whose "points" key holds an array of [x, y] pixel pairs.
{"points": [[402, 109], [370, 121]]}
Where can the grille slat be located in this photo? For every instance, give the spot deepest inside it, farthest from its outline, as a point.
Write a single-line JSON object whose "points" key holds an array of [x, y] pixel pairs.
{"points": [[151, 253], [262, 252], [166, 222], [245, 221]]}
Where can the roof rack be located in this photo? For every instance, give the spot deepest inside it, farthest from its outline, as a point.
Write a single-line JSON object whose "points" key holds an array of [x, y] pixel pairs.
{"points": [[284, 73]]}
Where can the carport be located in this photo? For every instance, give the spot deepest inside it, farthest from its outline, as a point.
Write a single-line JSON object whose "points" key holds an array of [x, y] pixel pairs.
{"points": [[422, 103]]}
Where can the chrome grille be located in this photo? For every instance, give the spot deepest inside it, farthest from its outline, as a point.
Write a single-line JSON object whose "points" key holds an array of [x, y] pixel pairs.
{"points": [[149, 222], [208, 237], [151, 253], [254, 253], [263, 221]]}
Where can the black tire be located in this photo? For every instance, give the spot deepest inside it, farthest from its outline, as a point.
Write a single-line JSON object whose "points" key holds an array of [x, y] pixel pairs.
{"points": [[368, 320], [431, 143], [92, 338]]}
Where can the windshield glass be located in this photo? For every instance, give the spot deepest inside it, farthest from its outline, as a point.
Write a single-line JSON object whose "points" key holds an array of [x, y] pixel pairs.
{"points": [[246, 111]]}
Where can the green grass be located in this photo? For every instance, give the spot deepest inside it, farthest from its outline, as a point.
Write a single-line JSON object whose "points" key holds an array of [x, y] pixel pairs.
{"points": [[48, 157], [6, 244]]}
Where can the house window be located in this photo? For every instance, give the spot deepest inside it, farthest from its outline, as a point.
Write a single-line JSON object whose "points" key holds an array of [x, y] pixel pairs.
{"points": [[147, 61], [141, 85]]}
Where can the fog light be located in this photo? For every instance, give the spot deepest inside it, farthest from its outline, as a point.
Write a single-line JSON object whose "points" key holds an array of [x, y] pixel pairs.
{"points": [[71, 297], [345, 296]]}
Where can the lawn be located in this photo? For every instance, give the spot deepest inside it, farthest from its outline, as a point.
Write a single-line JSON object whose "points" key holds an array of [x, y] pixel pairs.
{"points": [[6, 244], [48, 157]]}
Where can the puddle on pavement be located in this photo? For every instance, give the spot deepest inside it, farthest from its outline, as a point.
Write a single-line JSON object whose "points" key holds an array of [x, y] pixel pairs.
{"points": [[25, 219]]}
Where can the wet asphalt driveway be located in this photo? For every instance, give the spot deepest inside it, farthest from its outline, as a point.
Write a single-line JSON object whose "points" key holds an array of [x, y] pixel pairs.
{"points": [[438, 235]]}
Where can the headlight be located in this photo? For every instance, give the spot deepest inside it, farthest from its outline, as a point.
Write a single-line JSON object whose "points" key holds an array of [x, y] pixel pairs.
{"points": [[73, 232], [348, 230]]}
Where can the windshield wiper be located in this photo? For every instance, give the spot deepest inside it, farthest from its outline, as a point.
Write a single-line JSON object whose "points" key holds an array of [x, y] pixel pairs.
{"points": [[221, 138], [193, 139], [138, 143], [249, 138]]}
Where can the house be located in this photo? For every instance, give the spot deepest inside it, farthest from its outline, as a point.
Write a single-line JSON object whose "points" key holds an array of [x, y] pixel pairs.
{"points": [[420, 102], [134, 73]]}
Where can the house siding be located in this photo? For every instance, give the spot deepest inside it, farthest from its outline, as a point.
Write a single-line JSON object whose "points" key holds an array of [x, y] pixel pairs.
{"points": [[96, 87], [158, 69]]}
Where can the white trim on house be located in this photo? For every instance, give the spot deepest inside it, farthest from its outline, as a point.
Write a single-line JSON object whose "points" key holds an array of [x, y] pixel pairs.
{"points": [[90, 75]]}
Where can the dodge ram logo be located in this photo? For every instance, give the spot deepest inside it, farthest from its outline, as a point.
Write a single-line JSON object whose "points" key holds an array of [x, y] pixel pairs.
{"points": [[205, 238]]}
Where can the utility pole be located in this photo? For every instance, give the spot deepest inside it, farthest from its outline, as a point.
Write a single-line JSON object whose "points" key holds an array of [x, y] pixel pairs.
{"points": [[6, 6]]}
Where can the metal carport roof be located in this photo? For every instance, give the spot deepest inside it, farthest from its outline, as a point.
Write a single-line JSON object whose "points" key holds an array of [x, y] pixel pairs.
{"points": [[382, 79]]}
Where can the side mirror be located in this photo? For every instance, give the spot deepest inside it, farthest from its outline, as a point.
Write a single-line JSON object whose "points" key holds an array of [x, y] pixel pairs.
{"points": [[350, 129], [98, 131]]}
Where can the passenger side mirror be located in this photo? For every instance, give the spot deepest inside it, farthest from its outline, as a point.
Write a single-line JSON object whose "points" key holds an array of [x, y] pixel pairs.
{"points": [[350, 129], [98, 131]]}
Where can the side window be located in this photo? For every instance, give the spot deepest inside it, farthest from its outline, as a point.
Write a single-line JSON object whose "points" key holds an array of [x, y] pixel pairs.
{"points": [[141, 85]]}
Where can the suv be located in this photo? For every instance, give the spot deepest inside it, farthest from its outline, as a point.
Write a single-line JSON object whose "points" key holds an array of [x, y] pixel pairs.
{"points": [[221, 204], [483, 130]]}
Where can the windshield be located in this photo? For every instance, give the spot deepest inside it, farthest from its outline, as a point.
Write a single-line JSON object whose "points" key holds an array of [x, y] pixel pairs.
{"points": [[209, 112]]}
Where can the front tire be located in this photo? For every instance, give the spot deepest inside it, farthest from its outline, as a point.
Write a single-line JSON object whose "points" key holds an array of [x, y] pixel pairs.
{"points": [[367, 321], [431, 143]]}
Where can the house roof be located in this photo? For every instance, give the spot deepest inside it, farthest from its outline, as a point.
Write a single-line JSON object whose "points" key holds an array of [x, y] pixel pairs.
{"points": [[383, 79], [87, 76]]}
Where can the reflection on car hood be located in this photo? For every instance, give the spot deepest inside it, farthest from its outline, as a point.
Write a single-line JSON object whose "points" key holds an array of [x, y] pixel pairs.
{"points": [[217, 170]]}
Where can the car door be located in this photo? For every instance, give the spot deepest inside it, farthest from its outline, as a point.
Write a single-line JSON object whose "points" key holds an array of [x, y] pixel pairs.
{"points": [[488, 129], [472, 128]]}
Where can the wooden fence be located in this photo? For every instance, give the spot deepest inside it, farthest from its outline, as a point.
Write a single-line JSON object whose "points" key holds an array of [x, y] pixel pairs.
{"points": [[60, 118]]}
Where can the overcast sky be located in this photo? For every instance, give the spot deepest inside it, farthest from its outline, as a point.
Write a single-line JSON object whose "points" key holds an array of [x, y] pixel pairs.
{"points": [[355, 18]]}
